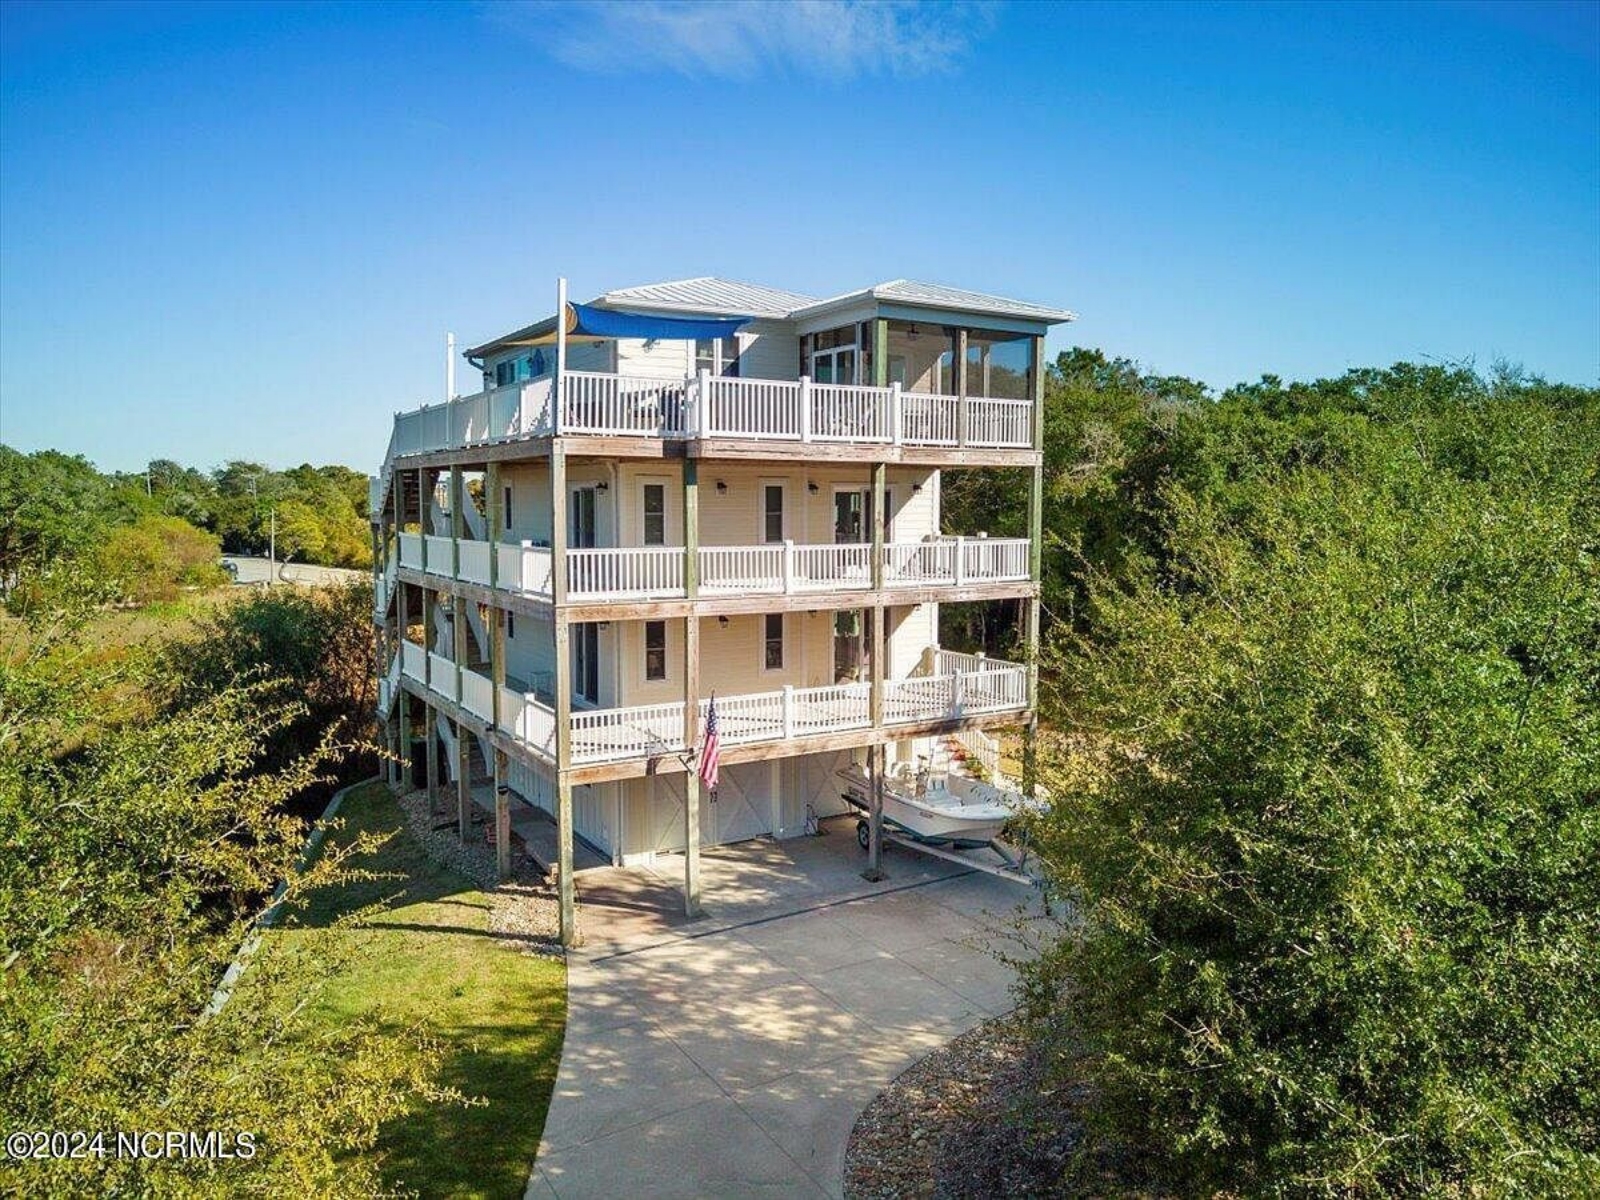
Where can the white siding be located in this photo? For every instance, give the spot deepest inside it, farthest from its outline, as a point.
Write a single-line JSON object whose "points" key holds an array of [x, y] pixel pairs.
{"points": [[664, 359], [769, 350]]}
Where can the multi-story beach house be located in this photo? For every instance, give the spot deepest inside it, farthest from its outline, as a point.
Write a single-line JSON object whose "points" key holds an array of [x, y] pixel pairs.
{"points": [[704, 489]]}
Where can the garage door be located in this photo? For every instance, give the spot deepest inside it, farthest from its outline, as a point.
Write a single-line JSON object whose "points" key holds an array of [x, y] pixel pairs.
{"points": [[742, 809]]}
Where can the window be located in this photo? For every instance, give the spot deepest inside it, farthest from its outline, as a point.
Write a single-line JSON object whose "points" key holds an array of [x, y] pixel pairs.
{"points": [[505, 509], [655, 514], [529, 366], [774, 641], [772, 512], [511, 624], [720, 356], [655, 650]]}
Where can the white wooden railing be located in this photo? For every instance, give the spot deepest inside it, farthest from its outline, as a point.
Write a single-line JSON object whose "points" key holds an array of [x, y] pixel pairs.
{"points": [[413, 660], [656, 572], [607, 734], [477, 695], [442, 675], [474, 561], [526, 568], [411, 551], [703, 406], [599, 402], [961, 684], [636, 572], [749, 408], [999, 423]]}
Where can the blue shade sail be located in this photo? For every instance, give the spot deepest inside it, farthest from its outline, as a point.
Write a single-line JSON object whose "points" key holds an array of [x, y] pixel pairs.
{"points": [[587, 323]]}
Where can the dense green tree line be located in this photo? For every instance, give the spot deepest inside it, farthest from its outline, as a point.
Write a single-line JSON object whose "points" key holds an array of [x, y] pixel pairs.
{"points": [[1322, 683], [151, 797], [162, 529]]}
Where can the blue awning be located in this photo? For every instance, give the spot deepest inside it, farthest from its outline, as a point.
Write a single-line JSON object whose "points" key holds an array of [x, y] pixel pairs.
{"points": [[585, 323]]}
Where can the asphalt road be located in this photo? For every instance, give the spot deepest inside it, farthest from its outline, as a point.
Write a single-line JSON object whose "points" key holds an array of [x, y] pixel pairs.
{"points": [[255, 570]]}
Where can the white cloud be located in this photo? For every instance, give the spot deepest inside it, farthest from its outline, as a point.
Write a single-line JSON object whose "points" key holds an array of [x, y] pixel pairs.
{"points": [[744, 39]]}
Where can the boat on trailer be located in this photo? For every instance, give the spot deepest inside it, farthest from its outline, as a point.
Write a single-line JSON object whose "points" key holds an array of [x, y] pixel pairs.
{"points": [[947, 810]]}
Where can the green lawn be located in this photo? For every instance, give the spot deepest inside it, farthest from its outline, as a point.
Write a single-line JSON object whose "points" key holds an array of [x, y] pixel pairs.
{"points": [[499, 1012]]}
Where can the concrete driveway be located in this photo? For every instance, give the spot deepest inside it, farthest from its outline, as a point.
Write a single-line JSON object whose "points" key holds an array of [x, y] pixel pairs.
{"points": [[731, 1056]]}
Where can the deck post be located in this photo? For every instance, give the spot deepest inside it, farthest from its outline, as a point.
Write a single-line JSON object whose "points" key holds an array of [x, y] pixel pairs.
{"points": [[805, 408], [423, 505], [961, 387], [877, 614], [691, 783], [880, 498], [691, 684], [502, 816], [691, 528], [431, 715], [497, 615], [557, 382], [494, 498], [1030, 739], [566, 894], [463, 783], [403, 609], [558, 524], [874, 871], [458, 498]]}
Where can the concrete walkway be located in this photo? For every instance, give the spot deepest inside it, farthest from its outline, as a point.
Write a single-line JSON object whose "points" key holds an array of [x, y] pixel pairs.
{"points": [[730, 1056]]}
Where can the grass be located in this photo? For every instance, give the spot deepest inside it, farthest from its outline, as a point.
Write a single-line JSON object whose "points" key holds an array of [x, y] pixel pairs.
{"points": [[499, 1013]]}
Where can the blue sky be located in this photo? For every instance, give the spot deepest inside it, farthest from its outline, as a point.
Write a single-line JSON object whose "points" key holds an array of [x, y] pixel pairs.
{"points": [[242, 231]]}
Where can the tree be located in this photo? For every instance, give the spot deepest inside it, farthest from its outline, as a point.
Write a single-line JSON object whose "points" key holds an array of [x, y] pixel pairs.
{"points": [[300, 533], [1325, 796], [134, 868], [156, 557], [53, 506]]}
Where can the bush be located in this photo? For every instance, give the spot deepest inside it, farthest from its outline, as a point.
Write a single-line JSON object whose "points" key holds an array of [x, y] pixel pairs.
{"points": [[155, 558], [1331, 816], [133, 868], [317, 641]]}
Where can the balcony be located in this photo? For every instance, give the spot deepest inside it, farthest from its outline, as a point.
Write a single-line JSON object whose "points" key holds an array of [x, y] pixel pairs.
{"points": [[958, 685], [707, 406], [626, 573]]}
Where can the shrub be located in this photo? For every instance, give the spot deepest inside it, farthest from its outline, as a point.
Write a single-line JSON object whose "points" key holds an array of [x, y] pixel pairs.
{"points": [[157, 557], [1332, 822]]}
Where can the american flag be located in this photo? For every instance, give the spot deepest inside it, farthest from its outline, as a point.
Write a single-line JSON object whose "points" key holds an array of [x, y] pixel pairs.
{"points": [[711, 752]]}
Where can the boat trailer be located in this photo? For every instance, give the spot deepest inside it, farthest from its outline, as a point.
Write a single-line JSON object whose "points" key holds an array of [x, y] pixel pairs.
{"points": [[1012, 867]]}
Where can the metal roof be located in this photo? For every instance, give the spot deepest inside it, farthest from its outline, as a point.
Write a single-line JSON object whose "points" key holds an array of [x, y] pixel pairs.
{"points": [[708, 294], [935, 295]]}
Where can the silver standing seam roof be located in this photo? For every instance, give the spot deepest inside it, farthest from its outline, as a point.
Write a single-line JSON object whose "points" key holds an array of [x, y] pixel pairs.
{"points": [[725, 297]]}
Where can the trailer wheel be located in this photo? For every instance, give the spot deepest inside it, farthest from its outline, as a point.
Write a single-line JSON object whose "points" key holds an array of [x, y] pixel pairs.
{"points": [[864, 835]]}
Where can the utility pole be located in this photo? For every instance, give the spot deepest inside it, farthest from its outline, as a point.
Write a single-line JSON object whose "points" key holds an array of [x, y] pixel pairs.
{"points": [[272, 544]]}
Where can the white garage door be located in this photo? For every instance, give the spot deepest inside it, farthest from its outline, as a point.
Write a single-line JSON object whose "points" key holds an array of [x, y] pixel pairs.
{"points": [[742, 810]]}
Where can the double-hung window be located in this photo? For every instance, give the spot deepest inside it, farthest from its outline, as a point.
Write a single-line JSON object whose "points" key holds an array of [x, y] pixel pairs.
{"points": [[655, 650], [655, 514], [720, 356], [773, 656], [772, 512]]}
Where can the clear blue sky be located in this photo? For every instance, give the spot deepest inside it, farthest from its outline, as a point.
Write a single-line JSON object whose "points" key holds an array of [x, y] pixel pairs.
{"points": [[241, 231]]}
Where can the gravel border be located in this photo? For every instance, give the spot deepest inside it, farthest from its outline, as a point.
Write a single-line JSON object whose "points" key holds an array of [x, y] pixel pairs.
{"points": [[522, 909], [974, 1119]]}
